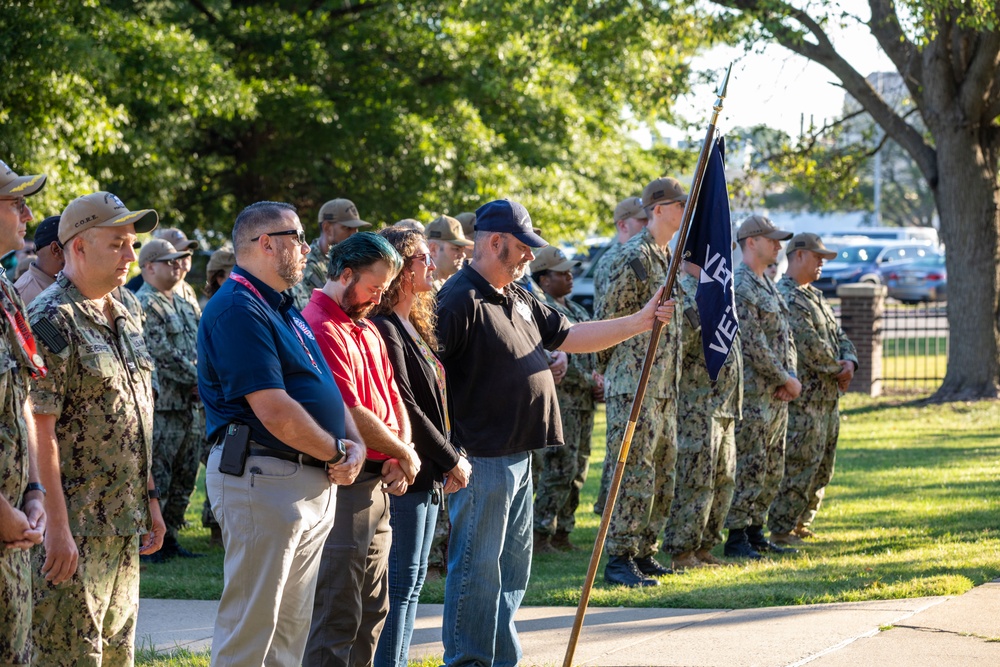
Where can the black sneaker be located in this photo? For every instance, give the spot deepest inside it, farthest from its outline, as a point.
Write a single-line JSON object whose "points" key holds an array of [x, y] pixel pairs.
{"points": [[650, 567], [738, 546], [622, 571], [153, 559], [755, 535], [171, 547]]}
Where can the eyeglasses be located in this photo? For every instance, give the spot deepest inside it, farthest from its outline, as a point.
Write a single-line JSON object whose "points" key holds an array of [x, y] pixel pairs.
{"points": [[22, 203], [422, 258], [168, 262], [297, 233]]}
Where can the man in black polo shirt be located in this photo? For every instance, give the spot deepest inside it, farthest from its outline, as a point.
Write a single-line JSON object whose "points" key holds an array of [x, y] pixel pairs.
{"points": [[494, 336], [259, 365]]}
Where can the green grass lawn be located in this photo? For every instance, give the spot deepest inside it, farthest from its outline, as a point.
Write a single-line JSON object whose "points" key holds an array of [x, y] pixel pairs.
{"points": [[914, 510]]}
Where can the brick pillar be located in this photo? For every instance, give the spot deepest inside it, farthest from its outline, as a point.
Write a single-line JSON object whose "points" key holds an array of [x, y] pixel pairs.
{"points": [[861, 309]]}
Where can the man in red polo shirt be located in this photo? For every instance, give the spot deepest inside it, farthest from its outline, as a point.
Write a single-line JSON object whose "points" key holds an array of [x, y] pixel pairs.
{"points": [[352, 589]]}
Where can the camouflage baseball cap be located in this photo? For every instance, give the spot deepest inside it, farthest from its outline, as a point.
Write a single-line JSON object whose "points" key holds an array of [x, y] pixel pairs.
{"points": [[468, 220], [758, 225], [630, 208], [663, 190], [343, 211], [221, 260], [176, 238], [448, 229], [102, 209], [409, 223], [551, 258], [811, 242], [160, 249], [12, 185]]}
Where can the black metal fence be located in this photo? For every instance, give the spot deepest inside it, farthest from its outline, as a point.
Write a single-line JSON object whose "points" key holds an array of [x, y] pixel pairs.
{"points": [[914, 346]]}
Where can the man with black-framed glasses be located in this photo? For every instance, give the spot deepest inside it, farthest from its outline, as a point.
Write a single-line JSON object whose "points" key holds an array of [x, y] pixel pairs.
{"points": [[171, 333], [22, 515]]}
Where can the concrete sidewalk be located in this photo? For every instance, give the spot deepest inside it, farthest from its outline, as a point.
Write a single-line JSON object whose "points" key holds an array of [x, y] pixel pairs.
{"points": [[936, 632]]}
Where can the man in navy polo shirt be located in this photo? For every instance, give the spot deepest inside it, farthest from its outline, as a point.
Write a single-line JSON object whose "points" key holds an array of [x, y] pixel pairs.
{"points": [[259, 365], [493, 339]]}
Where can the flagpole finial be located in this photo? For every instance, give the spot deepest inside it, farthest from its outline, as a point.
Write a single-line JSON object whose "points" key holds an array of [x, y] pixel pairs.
{"points": [[723, 89]]}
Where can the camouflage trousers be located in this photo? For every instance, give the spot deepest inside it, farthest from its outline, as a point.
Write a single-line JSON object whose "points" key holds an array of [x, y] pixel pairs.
{"points": [[178, 439], [15, 607], [438, 556], [90, 619], [706, 468], [810, 451], [564, 472], [647, 486], [760, 460]]}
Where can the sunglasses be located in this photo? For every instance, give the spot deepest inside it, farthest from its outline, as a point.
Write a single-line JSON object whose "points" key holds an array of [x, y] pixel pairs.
{"points": [[422, 258], [168, 262], [297, 233]]}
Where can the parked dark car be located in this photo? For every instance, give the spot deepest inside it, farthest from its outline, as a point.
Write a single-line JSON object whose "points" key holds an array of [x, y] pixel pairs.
{"points": [[921, 280], [863, 263]]}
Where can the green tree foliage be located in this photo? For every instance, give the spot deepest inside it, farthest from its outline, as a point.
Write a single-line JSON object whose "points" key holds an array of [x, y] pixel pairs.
{"points": [[410, 109]]}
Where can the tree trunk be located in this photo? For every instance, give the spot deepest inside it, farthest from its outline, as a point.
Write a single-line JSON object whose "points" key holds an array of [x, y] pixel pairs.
{"points": [[966, 196]]}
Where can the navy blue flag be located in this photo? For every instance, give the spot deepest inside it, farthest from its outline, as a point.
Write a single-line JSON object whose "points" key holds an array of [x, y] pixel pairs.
{"points": [[710, 246]]}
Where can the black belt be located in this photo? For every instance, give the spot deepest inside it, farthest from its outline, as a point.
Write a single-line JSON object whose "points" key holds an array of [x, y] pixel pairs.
{"points": [[257, 449]]}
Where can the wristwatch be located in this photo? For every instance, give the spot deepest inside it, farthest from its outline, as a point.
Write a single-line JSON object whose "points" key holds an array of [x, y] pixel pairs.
{"points": [[154, 493], [35, 486]]}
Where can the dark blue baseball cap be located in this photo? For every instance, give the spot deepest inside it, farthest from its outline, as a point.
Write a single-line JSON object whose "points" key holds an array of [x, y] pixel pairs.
{"points": [[508, 217], [47, 232]]}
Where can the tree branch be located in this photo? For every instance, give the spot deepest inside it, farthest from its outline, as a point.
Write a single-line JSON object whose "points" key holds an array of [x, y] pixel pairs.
{"points": [[201, 7], [981, 69], [884, 26]]}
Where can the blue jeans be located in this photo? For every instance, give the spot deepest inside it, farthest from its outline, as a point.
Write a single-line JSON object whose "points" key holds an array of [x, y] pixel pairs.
{"points": [[489, 559], [413, 517]]}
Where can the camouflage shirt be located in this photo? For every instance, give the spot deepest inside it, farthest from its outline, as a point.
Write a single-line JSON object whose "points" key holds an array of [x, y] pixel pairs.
{"points": [[602, 272], [171, 333], [15, 371], [724, 397], [765, 335], [99, 390], [819, 341], [575, 392], [313, 276], [637, 271]]}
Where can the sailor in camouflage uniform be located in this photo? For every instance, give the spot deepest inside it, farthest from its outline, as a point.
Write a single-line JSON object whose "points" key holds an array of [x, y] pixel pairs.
{"points": [[564, 469], [706, 444], [181, 243], [171, 334], [826, 364], [647, 486], [630, 219], [769, 382], [338, 220], [22, 514], [93, 418]]}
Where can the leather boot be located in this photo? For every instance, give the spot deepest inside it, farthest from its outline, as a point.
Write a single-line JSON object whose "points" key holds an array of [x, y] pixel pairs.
{"points": [[803, 531], [541, 544], [560, 542], [650, 567], [706, 557], [738, 546], [216, 539], [622, 571], [755, 534], [686, 561], [786, 539]]}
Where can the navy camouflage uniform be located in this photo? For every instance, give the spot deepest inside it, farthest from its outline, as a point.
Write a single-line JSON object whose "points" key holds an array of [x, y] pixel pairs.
{"points": [[99, 389], [564, 469], [768, 362], [813, 418], [647, 486], [706, 444], [313, 276]]}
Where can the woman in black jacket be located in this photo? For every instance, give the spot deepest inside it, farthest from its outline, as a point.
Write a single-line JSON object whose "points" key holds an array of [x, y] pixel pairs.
{"points": [[405, 319]]}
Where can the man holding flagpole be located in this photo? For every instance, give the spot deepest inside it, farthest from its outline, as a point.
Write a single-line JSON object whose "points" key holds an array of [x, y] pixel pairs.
{"points": [[647, 486]]}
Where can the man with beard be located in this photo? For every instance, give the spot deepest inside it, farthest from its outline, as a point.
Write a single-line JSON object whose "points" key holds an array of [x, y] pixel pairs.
{"points": [[769, 382], [338, 220], [493, 338], [273, 408], [448, 246], [93, 422], [352, 596], [171, 334], [826, 364]]}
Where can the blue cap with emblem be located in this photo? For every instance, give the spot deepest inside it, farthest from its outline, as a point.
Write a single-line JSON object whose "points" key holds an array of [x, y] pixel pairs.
{"points": [[508, 217]]}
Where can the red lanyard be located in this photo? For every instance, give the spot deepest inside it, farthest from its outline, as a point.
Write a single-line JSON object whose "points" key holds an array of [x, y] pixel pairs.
{"points": [[246, 283], [24, 337]]}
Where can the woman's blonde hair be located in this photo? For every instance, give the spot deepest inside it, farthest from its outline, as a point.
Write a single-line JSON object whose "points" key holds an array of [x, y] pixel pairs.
{"points": [[422, 315]]}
